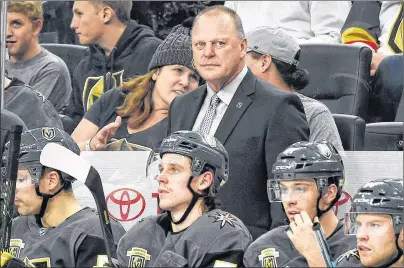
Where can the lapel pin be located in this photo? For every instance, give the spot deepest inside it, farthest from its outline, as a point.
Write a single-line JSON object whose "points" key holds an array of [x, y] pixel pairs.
{"points": [[239, 105]]}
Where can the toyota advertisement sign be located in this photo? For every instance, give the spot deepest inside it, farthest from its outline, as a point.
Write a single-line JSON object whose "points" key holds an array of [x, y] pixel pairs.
{"points": [[131, 197]]}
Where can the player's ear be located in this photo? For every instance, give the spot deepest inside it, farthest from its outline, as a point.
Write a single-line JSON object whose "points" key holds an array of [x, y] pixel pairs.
{"points": [[401, 239], [53, 182], [205, 180], [329, 196]]}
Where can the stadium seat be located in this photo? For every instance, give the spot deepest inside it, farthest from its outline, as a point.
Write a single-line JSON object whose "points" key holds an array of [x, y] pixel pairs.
{"points": [[384, 136], [339, 76], [351, 129], [400, 110], [71, 54]]}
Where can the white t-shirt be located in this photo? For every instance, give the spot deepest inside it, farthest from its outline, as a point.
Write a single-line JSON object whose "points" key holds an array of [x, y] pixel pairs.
{"points": [[306, 21], [390, 12]]}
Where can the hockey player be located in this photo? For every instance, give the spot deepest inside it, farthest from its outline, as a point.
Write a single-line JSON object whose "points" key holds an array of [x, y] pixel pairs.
{"points": [[53, 230], [191, 232], [308, 180], [377, 221]]}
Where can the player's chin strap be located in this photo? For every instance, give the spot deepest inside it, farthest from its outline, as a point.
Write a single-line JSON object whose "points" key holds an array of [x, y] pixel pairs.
{"points": [[195, 197], [397, 257], [321, 212], [45, 200]]}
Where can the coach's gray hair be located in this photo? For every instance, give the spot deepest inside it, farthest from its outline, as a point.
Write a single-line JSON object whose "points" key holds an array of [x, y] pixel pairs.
{"points": [[222, 9], [122, 8]]}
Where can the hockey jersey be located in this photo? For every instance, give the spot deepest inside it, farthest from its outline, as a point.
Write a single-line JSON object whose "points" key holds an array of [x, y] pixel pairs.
{"points": [[274, 249], [376, 24], [77, 242], [215, 239]]}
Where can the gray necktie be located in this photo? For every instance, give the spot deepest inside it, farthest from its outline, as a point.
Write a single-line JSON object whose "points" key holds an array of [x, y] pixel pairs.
{"points": [[210, 114]]}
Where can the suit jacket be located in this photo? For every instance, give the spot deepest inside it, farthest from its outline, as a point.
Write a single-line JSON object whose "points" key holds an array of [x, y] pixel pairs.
{"points": [[260, 122]]}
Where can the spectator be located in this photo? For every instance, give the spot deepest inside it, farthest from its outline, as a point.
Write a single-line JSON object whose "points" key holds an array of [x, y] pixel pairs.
{"points": [[251, 118], [30, 105], [273, 56], [379, 26], [305, 21], [31, 63], [142, 102], [119, 48], [7, 120]]}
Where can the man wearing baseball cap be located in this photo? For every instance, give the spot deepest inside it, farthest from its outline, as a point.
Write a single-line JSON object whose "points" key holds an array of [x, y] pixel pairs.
{"points": [[273, 55]]}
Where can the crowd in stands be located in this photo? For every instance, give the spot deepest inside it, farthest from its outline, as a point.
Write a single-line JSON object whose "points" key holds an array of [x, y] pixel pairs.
{"points": [[228, 77]]}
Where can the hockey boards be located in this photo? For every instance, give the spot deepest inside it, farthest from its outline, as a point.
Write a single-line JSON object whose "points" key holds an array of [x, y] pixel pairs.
{"points": [[7, 186], [58, 157]]}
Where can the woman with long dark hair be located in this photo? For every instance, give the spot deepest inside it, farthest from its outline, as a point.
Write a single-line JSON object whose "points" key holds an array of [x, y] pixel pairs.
{"points": [[135, 114]]}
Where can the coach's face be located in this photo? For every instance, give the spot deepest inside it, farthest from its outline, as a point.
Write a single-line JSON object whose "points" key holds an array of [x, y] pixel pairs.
{"points": [[218, 50]]}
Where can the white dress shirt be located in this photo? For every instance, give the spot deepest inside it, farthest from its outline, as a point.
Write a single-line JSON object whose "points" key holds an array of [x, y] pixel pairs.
{"points": [[225, 95]]}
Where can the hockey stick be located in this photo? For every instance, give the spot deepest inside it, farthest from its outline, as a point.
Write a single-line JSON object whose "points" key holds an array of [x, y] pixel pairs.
{"points": [[325, 250], [8, 188], [58, 157]]}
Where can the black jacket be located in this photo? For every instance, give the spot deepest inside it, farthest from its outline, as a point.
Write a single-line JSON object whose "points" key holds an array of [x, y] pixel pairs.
{"points": [[30, 105], [260, 122], [130, 57]]}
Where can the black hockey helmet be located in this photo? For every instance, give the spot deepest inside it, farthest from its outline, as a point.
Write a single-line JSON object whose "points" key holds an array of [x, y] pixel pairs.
{"points": [[204, 150], [308, 160], [206, 153], [382, 196], [32, 143]]}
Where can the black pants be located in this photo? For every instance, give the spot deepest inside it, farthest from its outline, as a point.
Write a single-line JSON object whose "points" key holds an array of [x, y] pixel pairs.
{"points": [[387, 85]]}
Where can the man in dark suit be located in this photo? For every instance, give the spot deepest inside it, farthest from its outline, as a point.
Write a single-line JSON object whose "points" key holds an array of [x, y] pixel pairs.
{"points": [[254, 120]]}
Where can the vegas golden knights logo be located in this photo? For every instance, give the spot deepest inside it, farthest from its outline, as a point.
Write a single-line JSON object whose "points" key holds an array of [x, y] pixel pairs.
{"points": [[268, 257], [102, 261], [39, 262], [396, 36], [94, 88], [48, 133], [137, 257], [15, 247], [347, 255]]}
